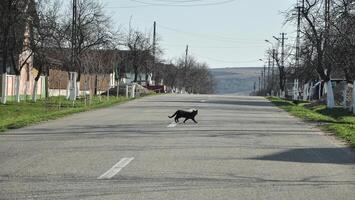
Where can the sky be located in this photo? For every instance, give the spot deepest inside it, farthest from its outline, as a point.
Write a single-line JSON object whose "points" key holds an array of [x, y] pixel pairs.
{"points": [[221, 33]]}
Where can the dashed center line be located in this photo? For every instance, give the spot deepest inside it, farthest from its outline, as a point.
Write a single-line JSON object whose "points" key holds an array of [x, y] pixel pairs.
{"points": [[172, 125], [116, 168]]}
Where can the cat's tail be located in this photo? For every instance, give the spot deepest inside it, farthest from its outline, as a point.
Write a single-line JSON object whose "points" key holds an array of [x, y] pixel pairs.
{"points": [[173, 115]]}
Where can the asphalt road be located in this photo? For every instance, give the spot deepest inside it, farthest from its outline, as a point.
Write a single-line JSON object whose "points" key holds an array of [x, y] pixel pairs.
{"points": [[242, 148]]}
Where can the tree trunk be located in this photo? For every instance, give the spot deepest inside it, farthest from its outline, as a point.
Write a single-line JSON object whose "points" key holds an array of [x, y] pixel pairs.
{"points": [[4, 88], [345, 94], [68, 89], [98, 90], [305, 91], [133, 95], [34, 92], [330, 95], [27, 84], [72, 86], [135, 74], [91, 89], [85, 90], [108, 93], [281, 80], [118, 88], [17, 85], [146, 79], [46, 82], [77, 89], [95, 85]]}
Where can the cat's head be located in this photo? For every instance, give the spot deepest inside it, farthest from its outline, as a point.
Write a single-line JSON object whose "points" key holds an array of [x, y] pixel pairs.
{"points": [[195, 111]]}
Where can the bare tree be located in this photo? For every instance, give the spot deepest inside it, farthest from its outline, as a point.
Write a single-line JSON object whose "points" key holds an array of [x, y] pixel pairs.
{"points": [[93, 30], [317, 18], [140, 52], [13, 18], [43, 27], [192, 75], [343, 50]]}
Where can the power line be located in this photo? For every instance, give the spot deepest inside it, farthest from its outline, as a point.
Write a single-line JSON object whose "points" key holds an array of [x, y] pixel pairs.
{"points": [[213, 47], [226, 61], [214, 37], [171, 3], [190, 3]]}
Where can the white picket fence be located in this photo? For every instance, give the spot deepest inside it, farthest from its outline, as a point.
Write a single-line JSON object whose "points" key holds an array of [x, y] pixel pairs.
{"points": [[9, 86], [344, 93]]}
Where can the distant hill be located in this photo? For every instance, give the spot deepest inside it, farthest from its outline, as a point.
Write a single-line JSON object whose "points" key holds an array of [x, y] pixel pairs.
{"points": [[236, 80]]}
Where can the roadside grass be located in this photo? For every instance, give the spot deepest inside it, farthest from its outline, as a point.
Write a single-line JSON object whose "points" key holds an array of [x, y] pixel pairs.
{"points": [[336, 120], [15, 115]]}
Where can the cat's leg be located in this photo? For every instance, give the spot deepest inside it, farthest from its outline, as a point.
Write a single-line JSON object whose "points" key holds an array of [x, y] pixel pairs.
{"points": [[176, 119], [193, 119], [186, 119]]}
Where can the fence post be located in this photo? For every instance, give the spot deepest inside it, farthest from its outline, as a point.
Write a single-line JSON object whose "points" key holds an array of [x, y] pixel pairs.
{"points": [[133, 91], [330, 95], [305, 91], [353, 99], [127, 91]]}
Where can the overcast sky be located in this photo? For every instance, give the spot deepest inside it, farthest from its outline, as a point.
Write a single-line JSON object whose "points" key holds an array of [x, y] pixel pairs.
{"points": [[222, 33]]}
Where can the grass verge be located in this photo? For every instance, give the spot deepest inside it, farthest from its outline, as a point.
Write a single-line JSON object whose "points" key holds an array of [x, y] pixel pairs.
{"points": [[15, 115], [336, 120]]}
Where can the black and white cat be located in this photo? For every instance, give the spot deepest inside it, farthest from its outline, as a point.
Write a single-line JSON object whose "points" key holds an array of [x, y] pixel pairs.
{"points": [[184, 114]]}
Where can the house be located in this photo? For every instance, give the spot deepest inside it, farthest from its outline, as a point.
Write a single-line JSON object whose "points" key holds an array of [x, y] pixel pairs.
{"points": [[100, 70]]}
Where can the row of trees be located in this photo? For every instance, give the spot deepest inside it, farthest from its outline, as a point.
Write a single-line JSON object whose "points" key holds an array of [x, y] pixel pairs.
{"points": [[189, 74], [326, 47], [84, 43]]}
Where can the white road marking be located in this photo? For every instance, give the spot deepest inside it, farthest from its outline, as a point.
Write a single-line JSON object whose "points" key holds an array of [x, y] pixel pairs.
{"points": [[172, 125], [116, 168]]}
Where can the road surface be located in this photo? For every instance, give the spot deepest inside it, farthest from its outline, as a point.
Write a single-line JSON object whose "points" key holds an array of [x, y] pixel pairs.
{"points": [[242, 148]]}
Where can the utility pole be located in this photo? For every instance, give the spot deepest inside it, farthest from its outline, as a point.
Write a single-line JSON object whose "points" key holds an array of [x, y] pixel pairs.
{"points": [[264, 77], [259, 84], [185, 70], [186, 55], [273, 68], [74, 33], [282, 80], [268, 70], [154, 47], [154, 37], [298, 37], [327, 29], [283, 61], [326, 60], [283, 49], [72, 77]]}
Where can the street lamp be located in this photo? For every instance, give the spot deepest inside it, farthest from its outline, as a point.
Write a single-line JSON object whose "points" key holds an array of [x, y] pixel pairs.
{"points": [[268, 41], [263, 75], [272, 54]]}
